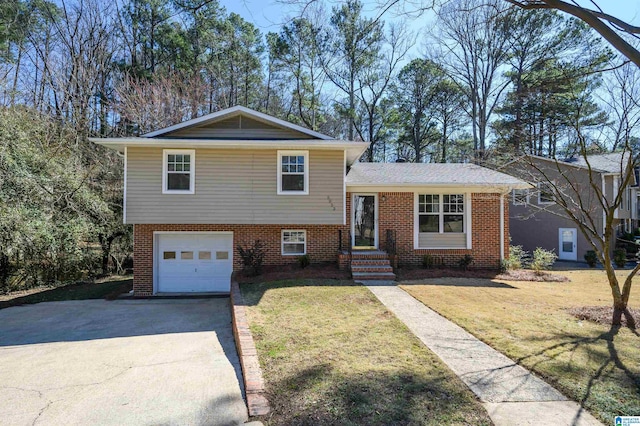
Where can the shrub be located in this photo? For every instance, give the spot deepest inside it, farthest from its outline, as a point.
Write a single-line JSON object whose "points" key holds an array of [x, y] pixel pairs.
{"points": [[591, 258], [620, 257], [517, 258], [428, 261], [304, 261], [465, 262], [252, 258], [542, 260]]}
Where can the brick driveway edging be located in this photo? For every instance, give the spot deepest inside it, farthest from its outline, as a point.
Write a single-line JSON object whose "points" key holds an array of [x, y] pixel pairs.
{"points": [[257, 403]]}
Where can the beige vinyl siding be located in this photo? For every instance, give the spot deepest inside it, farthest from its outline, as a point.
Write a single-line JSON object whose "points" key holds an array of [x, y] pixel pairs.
{"points": [[238, 127], [446, 240], [234, 187]]}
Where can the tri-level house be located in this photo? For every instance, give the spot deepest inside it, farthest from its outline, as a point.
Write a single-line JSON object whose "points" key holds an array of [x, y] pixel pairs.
{"points": [[196, 191], [587, 186]]}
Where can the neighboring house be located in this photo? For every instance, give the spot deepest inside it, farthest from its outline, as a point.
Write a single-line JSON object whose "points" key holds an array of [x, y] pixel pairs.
{"points": [[196, 191], [537, 221]]}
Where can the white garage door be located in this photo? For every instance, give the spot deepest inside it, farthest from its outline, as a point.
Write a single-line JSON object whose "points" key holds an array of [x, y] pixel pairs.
{"points": [[195, 263]]}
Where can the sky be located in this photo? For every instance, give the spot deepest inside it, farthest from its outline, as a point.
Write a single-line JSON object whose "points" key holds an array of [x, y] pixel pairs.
{"points": [[269, 15]]}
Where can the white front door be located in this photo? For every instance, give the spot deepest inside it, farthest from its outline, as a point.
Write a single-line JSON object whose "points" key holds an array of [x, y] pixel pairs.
{"points": [[568, 242], [194, 263]]}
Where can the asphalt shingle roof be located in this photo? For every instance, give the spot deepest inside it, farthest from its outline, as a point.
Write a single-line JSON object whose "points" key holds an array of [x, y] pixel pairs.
{"points": [[610, 163], [427, 174]]}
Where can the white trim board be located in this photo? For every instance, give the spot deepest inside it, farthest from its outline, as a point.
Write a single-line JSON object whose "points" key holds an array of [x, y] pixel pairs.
{"points": [[192, 171], [233, 111], [468, 214]]}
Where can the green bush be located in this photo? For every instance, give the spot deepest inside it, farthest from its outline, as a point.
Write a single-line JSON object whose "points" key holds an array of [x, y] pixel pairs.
{"points": [[620, 257], [304, 261], [517, 258], [591, 258], [542, 260], [252, 258]]}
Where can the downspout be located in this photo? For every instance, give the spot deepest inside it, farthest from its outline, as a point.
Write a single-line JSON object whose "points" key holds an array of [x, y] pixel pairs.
{"points": [[604, 196], [501, 228]]}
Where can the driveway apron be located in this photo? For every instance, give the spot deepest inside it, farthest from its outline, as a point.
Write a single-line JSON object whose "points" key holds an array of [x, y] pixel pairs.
{"points": [[137, 362]]}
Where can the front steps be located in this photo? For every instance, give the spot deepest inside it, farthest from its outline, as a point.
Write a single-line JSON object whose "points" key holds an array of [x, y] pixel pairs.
{"points": [[371, 265]]}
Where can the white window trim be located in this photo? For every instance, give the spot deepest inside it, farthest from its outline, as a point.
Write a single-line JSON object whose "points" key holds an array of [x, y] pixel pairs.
{"points": [[468, 212], [540, 202], [192, 171], [526, 197], [305, 154], [282, 253]]}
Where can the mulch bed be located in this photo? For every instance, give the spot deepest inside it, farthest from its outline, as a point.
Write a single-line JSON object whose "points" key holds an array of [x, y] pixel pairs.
{"points": [[407, 273], [294, 271], [529, 275], [600, 314], [415, 273]]}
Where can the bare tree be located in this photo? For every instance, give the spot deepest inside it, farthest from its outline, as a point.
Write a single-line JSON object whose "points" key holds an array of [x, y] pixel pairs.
{"points": [[591, 198], [354, 46], [144, 105], [611, 28], [373, 86], [474, 38]]}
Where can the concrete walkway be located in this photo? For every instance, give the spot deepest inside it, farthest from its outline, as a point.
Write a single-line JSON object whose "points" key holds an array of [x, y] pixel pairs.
{"points": [[510, 393]]}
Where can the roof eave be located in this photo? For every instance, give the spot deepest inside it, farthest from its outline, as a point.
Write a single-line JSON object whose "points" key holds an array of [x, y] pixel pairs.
{"points": [[353, 149], [502, 185]]}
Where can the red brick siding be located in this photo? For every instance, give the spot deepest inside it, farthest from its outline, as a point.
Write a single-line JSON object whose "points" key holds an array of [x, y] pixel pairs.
{"points": [[396, 211], [322, 246]]}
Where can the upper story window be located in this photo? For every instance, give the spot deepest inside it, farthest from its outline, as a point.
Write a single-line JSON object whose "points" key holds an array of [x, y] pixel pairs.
{"points": [[441, 213], [520, 197], [293, 172], [178, 171], [545, 193]]}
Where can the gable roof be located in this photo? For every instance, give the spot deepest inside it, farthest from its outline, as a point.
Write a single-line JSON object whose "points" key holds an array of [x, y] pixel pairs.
{"points": [[231, 112], [609, 163], [431, 174], [600, 163]]}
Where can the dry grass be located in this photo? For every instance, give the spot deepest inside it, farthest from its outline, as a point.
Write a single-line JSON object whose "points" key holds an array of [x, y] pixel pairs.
{"points": [[594, 364], [332, 354]]}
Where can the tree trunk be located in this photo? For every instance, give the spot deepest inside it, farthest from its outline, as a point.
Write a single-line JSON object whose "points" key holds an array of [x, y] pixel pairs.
{"points": [[444, 142]]}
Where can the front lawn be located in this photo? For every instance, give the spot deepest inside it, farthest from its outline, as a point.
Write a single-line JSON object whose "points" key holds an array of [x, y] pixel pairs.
{"points": [[331, 353], [529, 321], [108, 288]]}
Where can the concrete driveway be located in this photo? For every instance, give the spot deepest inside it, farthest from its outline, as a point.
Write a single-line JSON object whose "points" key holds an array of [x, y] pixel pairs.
{"points": [[140, 362]]}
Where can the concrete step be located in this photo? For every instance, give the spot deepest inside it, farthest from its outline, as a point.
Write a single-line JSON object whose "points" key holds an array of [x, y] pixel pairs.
{"points": [[371, 268], [373, 276]]}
